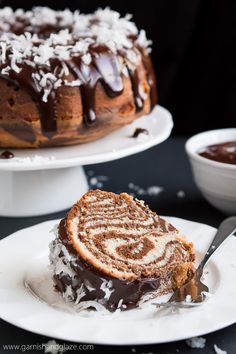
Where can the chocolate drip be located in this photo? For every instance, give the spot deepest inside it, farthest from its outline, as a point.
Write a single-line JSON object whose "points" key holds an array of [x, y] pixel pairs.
{"points": [[130, 291], [108, 66], [7, 155], [104, 68], [139, 131], [89, 78], [135, 82], [151, 79], [48, 119], [46, 109]]}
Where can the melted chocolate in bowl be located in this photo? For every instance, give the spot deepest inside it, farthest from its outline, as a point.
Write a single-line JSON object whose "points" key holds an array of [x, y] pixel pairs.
{"points": [[224, 152]]}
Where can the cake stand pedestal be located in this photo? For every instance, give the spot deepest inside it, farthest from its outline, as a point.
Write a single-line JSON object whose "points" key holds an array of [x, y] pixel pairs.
{"points": [[43, 181]]}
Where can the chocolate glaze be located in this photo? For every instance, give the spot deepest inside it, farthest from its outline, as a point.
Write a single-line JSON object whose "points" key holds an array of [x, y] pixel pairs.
{"points": [[135, 82], [130, 291], [104, 68], [139, 131], [7, 155], [151, 78], [224, 152]]}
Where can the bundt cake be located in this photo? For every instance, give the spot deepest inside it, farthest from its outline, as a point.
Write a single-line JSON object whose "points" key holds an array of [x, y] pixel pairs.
{"points": [[69, 78], [112, 250]]}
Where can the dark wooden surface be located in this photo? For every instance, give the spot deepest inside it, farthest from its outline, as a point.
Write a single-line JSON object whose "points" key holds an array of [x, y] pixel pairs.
{"points": [[165, 165]]}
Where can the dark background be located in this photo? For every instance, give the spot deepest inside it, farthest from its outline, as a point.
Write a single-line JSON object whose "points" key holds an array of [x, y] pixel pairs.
{"points": [[195, 62], [194, 54]]}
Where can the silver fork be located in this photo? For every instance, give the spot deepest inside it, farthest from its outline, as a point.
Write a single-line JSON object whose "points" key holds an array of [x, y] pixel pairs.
{"points": [[195, 288]]}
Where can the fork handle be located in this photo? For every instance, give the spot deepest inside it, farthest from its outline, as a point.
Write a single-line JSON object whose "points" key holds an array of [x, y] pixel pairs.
{"points": [[226, 229]]}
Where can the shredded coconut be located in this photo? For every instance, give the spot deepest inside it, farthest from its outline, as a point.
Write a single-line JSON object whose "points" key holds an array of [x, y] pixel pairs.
{"points": [[154, 190], [150, 191], [180, 194], [54, 230], [188, 298], [88, 286], [68, 294], [53, 347], [96, 181], [93, 181], [35, 160], [60, 262], [84, 305], [79, 294], [207, 295], [106, 287], [83, 32], [218, 350], [196, 342], [120, 303]]}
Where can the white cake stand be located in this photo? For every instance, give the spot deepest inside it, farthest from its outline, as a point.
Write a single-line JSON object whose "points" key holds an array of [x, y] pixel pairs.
{"points": [[42, 181]]}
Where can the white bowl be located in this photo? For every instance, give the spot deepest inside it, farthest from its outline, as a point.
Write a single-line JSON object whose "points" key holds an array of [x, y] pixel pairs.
{"points": [[216, 180]]}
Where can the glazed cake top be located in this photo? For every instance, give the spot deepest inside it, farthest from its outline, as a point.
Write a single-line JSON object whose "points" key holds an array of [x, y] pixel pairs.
{"points": [[44, 41]]}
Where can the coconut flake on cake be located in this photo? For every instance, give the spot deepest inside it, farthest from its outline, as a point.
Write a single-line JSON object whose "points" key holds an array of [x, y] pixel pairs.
{"points": [[77, 35]]}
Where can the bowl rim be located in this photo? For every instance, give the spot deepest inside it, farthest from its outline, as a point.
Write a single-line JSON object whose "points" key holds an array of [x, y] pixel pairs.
{"points": [[204, 160]]}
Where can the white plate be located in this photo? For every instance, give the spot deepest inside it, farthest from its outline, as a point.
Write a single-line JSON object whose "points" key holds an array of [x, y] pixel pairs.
{"points": [[24, 255], [116, 145]]}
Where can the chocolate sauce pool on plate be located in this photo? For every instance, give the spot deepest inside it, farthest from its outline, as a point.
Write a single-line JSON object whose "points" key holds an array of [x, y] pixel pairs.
{"points": [[224, 152]]}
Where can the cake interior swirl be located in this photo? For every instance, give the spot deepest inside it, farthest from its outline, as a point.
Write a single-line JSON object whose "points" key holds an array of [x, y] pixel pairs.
{"points": [[113, 251], [69, 78]]}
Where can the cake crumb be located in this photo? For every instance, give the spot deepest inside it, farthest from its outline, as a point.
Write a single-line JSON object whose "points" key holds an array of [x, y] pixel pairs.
{"points": [[196, 342], [218, 350]]}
